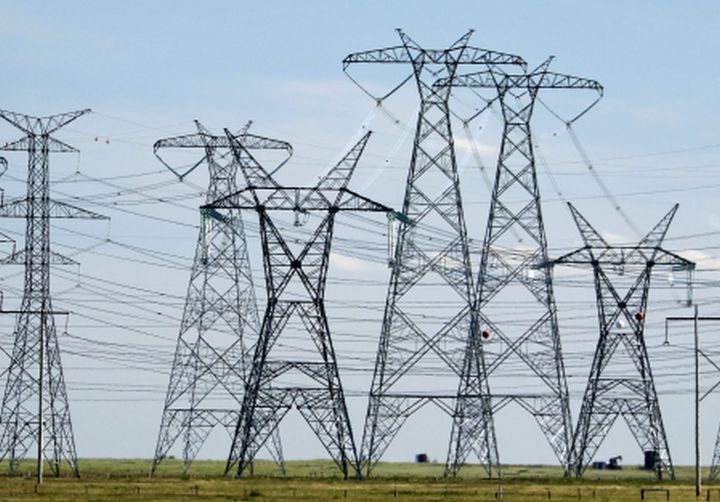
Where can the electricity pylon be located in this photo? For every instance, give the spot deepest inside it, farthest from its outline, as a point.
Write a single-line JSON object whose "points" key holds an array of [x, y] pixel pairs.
{"points": [[295, 282], [508, 272], [621, 381], [35, 407], [431, 248], [715, 466], [220, 320]]}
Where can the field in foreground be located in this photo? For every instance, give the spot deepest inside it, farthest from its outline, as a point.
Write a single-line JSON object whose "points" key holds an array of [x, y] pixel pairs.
{"points": [[127, 480]]}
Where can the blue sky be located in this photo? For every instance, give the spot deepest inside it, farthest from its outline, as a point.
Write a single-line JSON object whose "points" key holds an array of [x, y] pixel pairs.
{"points": [[148, 68]]}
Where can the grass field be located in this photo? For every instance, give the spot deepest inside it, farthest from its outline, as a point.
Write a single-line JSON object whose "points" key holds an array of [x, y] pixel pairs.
{"points": [[127, 480]]}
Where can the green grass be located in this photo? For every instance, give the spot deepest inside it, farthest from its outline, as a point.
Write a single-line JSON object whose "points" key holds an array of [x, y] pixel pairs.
{"points": [[318, 480]]}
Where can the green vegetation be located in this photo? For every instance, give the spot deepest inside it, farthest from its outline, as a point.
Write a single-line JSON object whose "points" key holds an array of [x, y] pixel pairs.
{"points": [[318, 480]]}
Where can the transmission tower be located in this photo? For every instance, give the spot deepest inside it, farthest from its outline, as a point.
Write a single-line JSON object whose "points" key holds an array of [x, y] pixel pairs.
{"points": [[431, 247], [35, 407], [621, 381], [715, 466], [220, 319], [295, 282], [508, 272]]}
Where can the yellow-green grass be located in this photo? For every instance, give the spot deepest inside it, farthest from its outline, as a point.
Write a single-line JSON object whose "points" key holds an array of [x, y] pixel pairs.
{"points": [[318, 480]]}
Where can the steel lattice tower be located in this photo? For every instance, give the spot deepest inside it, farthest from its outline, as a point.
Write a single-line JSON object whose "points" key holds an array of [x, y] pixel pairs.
{"points": [[35, 407], [432, 206], [533, 338], [295, 282], [220, 319], [622, 300], [715, 466]]}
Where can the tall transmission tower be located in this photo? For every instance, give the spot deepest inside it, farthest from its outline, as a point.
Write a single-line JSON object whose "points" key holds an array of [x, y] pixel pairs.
{"points": [[295, 277], [220, 319], [621, 381], [35, 407], [511, 272], [431, 248], [715, 466]]}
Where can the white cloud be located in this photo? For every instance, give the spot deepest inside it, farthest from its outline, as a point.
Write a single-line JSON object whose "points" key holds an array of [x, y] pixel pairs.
{"points": [[615, 239], [702, 259], [348, 263], [465, 145]]}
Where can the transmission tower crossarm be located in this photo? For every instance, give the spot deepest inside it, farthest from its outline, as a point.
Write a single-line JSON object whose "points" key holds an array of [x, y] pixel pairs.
{"points": [[410, 52], [53, 146], [625, 255], [19, 258], [204, 140], [37, 126], [210, 142], [553, 80], [285, 199], [491, 79], [464, 55], [396, 54], [19, 209]]}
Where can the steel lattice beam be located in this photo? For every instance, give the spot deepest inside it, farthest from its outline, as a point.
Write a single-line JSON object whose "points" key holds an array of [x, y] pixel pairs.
{"points": [[295, 282], [35, 407], [409, 340], [715, 466], [515, 214], [622, 283], [220, 320]]}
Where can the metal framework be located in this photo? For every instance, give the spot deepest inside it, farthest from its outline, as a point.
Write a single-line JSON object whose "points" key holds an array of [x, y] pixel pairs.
{"points": [[35, 407], [621, 381], [295, 282], [431, 246], [220, 320], [715, 466], [531, 338]]}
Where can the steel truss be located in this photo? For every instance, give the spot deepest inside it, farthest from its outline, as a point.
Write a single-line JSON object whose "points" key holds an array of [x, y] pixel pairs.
{"points": [[409, 340], [35, 408], [295, 283], [220, 320], [533, 338], [715, 466], [611, 391], [432, 205]]}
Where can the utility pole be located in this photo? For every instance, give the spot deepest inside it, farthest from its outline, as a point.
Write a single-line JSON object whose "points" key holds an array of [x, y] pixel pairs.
{"points": [[210, 368], [35, 370], [431, 248], [696, 357], [696, 319], [295, 279], [515, 219], [622, 285]]}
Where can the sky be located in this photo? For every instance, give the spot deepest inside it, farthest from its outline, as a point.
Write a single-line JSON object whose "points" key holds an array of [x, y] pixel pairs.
{"points": [[147, 69]]}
